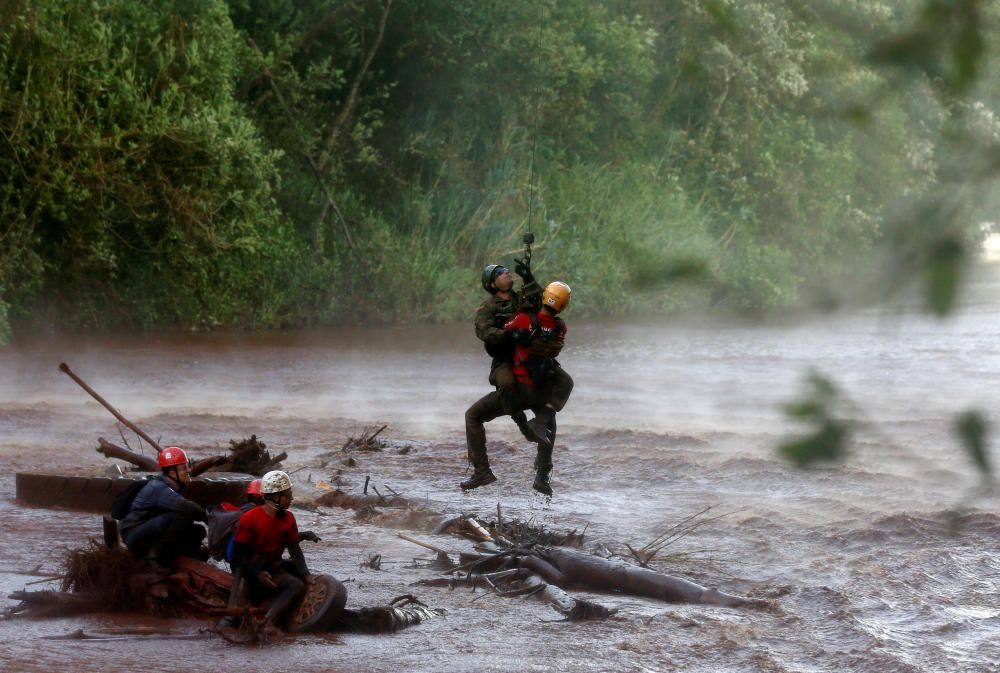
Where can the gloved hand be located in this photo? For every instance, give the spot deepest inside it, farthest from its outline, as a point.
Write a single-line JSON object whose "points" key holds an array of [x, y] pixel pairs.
{"points": [[523, 269], [309, 535], [521, 335]]}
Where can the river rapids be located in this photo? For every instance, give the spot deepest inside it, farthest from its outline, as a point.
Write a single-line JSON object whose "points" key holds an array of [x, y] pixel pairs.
{"points": [[889, 561]]}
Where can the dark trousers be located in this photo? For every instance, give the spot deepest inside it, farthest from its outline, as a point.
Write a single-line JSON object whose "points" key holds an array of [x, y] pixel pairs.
{"points": [[290, 589], [555, 391], [170, 535], [557, 388]]}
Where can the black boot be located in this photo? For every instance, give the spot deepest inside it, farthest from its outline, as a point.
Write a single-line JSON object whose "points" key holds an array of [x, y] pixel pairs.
{"points": [[543, 467], [541, 483], [480, 477]]}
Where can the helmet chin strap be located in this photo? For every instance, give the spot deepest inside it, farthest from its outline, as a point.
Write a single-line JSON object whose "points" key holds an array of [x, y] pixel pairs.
{"points": [[279, 510], [176, 478]]}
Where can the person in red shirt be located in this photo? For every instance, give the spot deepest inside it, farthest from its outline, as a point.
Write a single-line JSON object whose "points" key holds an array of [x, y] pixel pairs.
{"points": [[539, 337], [262, 536]]}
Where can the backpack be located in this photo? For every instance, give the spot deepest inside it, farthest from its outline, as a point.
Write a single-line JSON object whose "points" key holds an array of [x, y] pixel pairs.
{"points": [[123, 501], [221, 525]]}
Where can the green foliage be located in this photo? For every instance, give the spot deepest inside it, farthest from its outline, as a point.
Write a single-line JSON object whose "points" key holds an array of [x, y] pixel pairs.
{"points": [[135, 191], [830, 435], [231, 162], [971, 429]]}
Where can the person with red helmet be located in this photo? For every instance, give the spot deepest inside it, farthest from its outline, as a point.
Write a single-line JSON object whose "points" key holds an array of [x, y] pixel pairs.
{"points": [[161, 522], [222, 521], [251, 498]]}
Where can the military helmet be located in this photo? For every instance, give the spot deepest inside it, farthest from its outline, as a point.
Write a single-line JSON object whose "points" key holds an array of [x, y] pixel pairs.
{"points": [[275, 481], [490, 273], [556, 296]]}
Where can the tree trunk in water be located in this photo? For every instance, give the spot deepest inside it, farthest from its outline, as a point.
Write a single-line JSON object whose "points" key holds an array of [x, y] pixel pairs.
{"points": [[595, 572], [110, 450]]}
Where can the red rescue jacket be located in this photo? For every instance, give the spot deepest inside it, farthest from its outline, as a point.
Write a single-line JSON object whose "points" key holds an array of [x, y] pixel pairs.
{"points": [[539, 337]]}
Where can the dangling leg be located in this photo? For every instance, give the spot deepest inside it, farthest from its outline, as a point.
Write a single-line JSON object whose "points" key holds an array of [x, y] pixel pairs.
{"points": [[484, 410]]}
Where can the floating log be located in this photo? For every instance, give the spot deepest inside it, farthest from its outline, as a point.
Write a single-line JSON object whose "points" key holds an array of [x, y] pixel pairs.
{"points": [[144, 463], [147, 464], [206, 464], [574, 610], [578, 569]]}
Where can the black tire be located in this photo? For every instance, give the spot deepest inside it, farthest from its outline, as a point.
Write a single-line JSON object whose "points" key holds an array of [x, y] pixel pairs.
{"points": [[321, 606]]}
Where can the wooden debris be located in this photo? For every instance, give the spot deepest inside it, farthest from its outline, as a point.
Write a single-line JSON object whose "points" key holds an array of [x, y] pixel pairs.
{"points": [[649, 552], [250, 456], [55, 603], [144, 463], [425, 545], [368, 441], [339, 498]]}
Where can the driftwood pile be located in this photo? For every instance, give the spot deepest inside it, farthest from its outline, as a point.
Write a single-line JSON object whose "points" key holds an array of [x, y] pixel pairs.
{"points": [[514, 532]]}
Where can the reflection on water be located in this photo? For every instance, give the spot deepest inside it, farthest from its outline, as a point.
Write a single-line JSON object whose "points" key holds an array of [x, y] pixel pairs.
{"points": [[665, 419]]}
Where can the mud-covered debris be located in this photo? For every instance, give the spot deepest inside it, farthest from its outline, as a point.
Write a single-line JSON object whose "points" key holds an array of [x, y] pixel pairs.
{"points": [[344, 500], [374, 561], [109, 572], [250, 456], [528, 533], [401, 612], [368, 441]]}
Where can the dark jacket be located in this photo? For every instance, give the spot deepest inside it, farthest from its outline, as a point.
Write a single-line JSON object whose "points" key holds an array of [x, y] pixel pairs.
{"points": [[158, 497], [493, 314]]}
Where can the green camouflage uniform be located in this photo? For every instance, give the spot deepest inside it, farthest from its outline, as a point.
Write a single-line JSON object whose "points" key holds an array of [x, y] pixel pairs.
{"points": [[509, 398]]}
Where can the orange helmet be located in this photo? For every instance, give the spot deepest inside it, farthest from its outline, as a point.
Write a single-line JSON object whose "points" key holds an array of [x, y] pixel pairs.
{"points": [[556, 296], [171, 457], [253, 488]]}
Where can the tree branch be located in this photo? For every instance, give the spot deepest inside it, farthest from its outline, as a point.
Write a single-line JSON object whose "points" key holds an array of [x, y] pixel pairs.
{"points": [[352, 96]]}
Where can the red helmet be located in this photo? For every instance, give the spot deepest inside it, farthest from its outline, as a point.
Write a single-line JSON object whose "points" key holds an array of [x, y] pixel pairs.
{"points": [[171, 457], [253, 488]]}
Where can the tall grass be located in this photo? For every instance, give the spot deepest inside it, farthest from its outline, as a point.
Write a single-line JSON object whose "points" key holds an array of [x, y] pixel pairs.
{"points": [[624, 237]]}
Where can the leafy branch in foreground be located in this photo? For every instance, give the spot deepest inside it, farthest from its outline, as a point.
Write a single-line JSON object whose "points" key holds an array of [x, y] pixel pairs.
{"points": [[830, 435]]}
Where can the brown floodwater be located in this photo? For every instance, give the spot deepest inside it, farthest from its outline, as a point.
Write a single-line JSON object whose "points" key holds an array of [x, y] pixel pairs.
{"points": [[870, 570]]}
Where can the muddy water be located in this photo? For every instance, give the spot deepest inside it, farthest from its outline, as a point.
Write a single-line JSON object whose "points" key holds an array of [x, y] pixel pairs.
{"points": [[666, 420]]}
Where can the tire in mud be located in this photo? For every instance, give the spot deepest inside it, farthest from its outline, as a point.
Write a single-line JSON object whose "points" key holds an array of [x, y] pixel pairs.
{"points": [[321, 606], [96, 494]]}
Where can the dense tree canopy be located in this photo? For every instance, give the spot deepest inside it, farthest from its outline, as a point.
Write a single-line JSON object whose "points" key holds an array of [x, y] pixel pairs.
{"points": [[241, 162]]}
